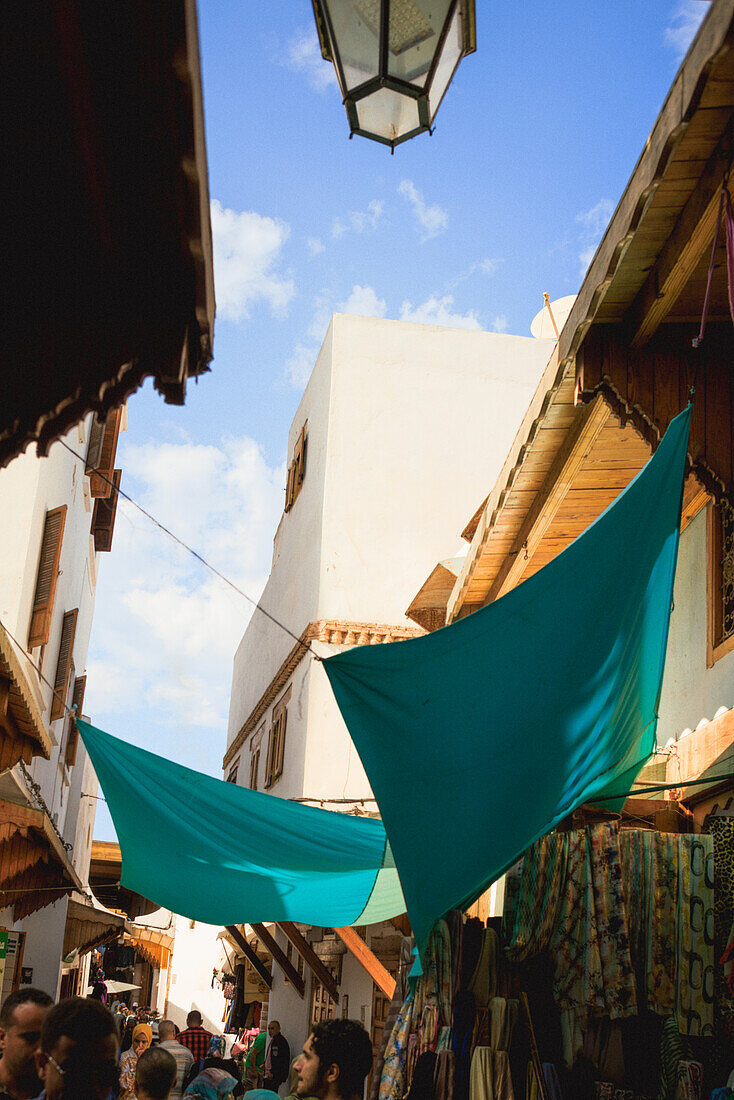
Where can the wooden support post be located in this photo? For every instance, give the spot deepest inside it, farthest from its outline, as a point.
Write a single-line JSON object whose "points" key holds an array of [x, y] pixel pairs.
{"points": [[311, 959], [250, 955], [368, 960], [272, 945]]}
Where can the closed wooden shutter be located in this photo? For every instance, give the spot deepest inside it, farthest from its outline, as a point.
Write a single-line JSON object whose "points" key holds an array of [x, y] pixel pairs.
{"points": [[100, 465], [48, 574], [254, 769], [72, 736], [103, 520], [270, 757], [301, 454], [280, 744], [94, 448], [290, 486], [63, 668]]}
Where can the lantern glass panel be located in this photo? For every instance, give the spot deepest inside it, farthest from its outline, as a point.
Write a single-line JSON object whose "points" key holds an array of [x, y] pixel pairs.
{"points": [[388, 114], [449, 59], [415, 30], [356, 40]]}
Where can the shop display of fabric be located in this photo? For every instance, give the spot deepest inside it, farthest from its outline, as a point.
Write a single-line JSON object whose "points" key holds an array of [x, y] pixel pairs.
{"points": [[422, 1084], [443, 1081], [531, 907], [483, 983], [695, 950], [589, 699], [689, 1081], [674, 1051], [283, 861], [721, 830], [398, 997], [462, 1037], [392, 1082]]}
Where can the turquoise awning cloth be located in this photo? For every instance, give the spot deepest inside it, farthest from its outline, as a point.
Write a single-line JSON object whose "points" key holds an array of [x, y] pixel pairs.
{"points": [[479, 738], [224, 854]]}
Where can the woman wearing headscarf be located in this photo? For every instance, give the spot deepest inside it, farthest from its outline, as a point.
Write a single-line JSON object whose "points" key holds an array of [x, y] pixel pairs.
{"points": [[211, 1084], [215, 1060], [141, 1040]]}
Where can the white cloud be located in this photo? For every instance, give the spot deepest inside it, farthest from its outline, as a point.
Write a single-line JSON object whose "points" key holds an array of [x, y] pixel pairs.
{"points": [[362, 301], [593, 224], [315, 245], [432, 220], [488, 266], [684, 22], [500, 323], [359, 220], [247, 250], [439, 311], [303, 54], [165, 627]]}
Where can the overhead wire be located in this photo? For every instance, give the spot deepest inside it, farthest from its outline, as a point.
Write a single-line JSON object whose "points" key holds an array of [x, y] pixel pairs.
{"points": [[189, 549]]}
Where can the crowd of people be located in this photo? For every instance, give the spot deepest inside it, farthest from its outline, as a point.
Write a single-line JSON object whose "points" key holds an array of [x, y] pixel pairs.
{"points": [[83, 1049]]}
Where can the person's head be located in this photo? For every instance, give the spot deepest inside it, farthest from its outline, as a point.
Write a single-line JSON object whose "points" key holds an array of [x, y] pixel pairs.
{"points": [[335, 1060], [193, 1019], [216, 1047], [273, 1028], [21, 1017], [155, 1074], [142, 1038], [166, 1030], [79, 1049]]}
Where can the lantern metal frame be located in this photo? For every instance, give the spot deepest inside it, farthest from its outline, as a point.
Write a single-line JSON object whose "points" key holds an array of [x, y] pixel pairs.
{"points": [[350, 98]]}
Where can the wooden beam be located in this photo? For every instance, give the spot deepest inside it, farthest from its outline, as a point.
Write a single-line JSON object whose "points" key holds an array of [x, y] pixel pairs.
{"points": [[575, 448], [285, 964], [311, 959], [13, 814], [367, 960], [250, 955], [679, 256]]}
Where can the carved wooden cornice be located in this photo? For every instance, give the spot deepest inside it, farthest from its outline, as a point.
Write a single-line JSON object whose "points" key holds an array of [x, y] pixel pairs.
{"points": [[330, 632]]}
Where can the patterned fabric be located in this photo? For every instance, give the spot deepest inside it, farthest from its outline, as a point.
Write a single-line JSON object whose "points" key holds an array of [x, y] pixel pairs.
{"points": [[128, 1062], [392, 1082], [398, 997], [695, 972], [674, 1049], [443, 1082], [197, 1039], [689, 1081], [722, 834], [633, 858], [536, 886], [662, 873], [483, 982]]}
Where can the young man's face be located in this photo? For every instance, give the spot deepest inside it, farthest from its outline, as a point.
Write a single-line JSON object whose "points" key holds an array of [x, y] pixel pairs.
{"points": [[19, 1043], [79, 1073], [308, 1067]]}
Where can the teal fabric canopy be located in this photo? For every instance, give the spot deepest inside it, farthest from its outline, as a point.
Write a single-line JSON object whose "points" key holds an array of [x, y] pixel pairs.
{"points": [[223, 854], [479, 738]]}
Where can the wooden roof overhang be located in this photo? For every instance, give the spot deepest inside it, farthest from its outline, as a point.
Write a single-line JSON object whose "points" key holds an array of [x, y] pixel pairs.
{"points": [[105, 871], [107, 239], [87, 927], [35, 869], [151, 944], [24, 733], [625, 349], [428, 607]]}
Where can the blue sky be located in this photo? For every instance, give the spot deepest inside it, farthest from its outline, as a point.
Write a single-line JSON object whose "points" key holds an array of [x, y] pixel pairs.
{"points": [[533, 146]]}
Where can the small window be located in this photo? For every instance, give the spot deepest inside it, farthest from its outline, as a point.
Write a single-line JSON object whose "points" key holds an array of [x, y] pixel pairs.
{"points": [[232, 777], [48, 574], [254, 768], [72, 732], [64, 664], [101, 453], [721, 580], [296, 470], [322, 1006], [103, 520], [276, 740]]}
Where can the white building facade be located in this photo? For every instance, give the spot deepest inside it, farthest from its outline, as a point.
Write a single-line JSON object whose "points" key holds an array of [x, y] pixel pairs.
{"points": [[399, 423], [59, 515]]}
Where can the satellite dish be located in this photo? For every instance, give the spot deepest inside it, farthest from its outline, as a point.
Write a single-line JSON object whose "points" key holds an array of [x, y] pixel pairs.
{"points": [[542, 326]]}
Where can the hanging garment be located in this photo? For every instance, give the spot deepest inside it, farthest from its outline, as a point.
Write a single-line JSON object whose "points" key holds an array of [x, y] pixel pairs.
{"points": [[695, 963], [398, 997], [689, 1081], [481, 1077], [674, 1051], [443, 1081], [552, 1084], [721, 829], [462, 1037], [238, 855], [483, 982], [531, 911], [635, 882], [588, 696], [501, 1076], [662, 863], [393, 1080], [421, 1087]]}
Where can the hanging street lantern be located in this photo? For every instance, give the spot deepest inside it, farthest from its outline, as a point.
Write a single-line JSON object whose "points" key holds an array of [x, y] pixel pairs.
{"points": [[394, 60]]}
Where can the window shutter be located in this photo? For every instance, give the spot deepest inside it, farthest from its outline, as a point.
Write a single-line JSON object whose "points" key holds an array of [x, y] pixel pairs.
{"points": [[94, 448], [254, 768], [103, 520], [48, 574], [63, 668], [72, 739], [289, 489], [280, 743], [100, 469], [302, 446], [269, 776]]}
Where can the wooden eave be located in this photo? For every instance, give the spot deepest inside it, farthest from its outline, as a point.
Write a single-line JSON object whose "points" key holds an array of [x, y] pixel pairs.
{"points": [[35, 869], [105, 872], [428, 607], [652, 261], [87, 927], [107, 215], [24, 733]]}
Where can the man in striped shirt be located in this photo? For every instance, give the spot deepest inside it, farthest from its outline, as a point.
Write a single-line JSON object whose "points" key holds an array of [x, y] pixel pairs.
{"points": [[182, 1055]]}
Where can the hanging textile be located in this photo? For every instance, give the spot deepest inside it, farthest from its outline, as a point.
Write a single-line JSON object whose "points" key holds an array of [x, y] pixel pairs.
{"points": [[552, 689], [695, 975], [224, 854]]}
